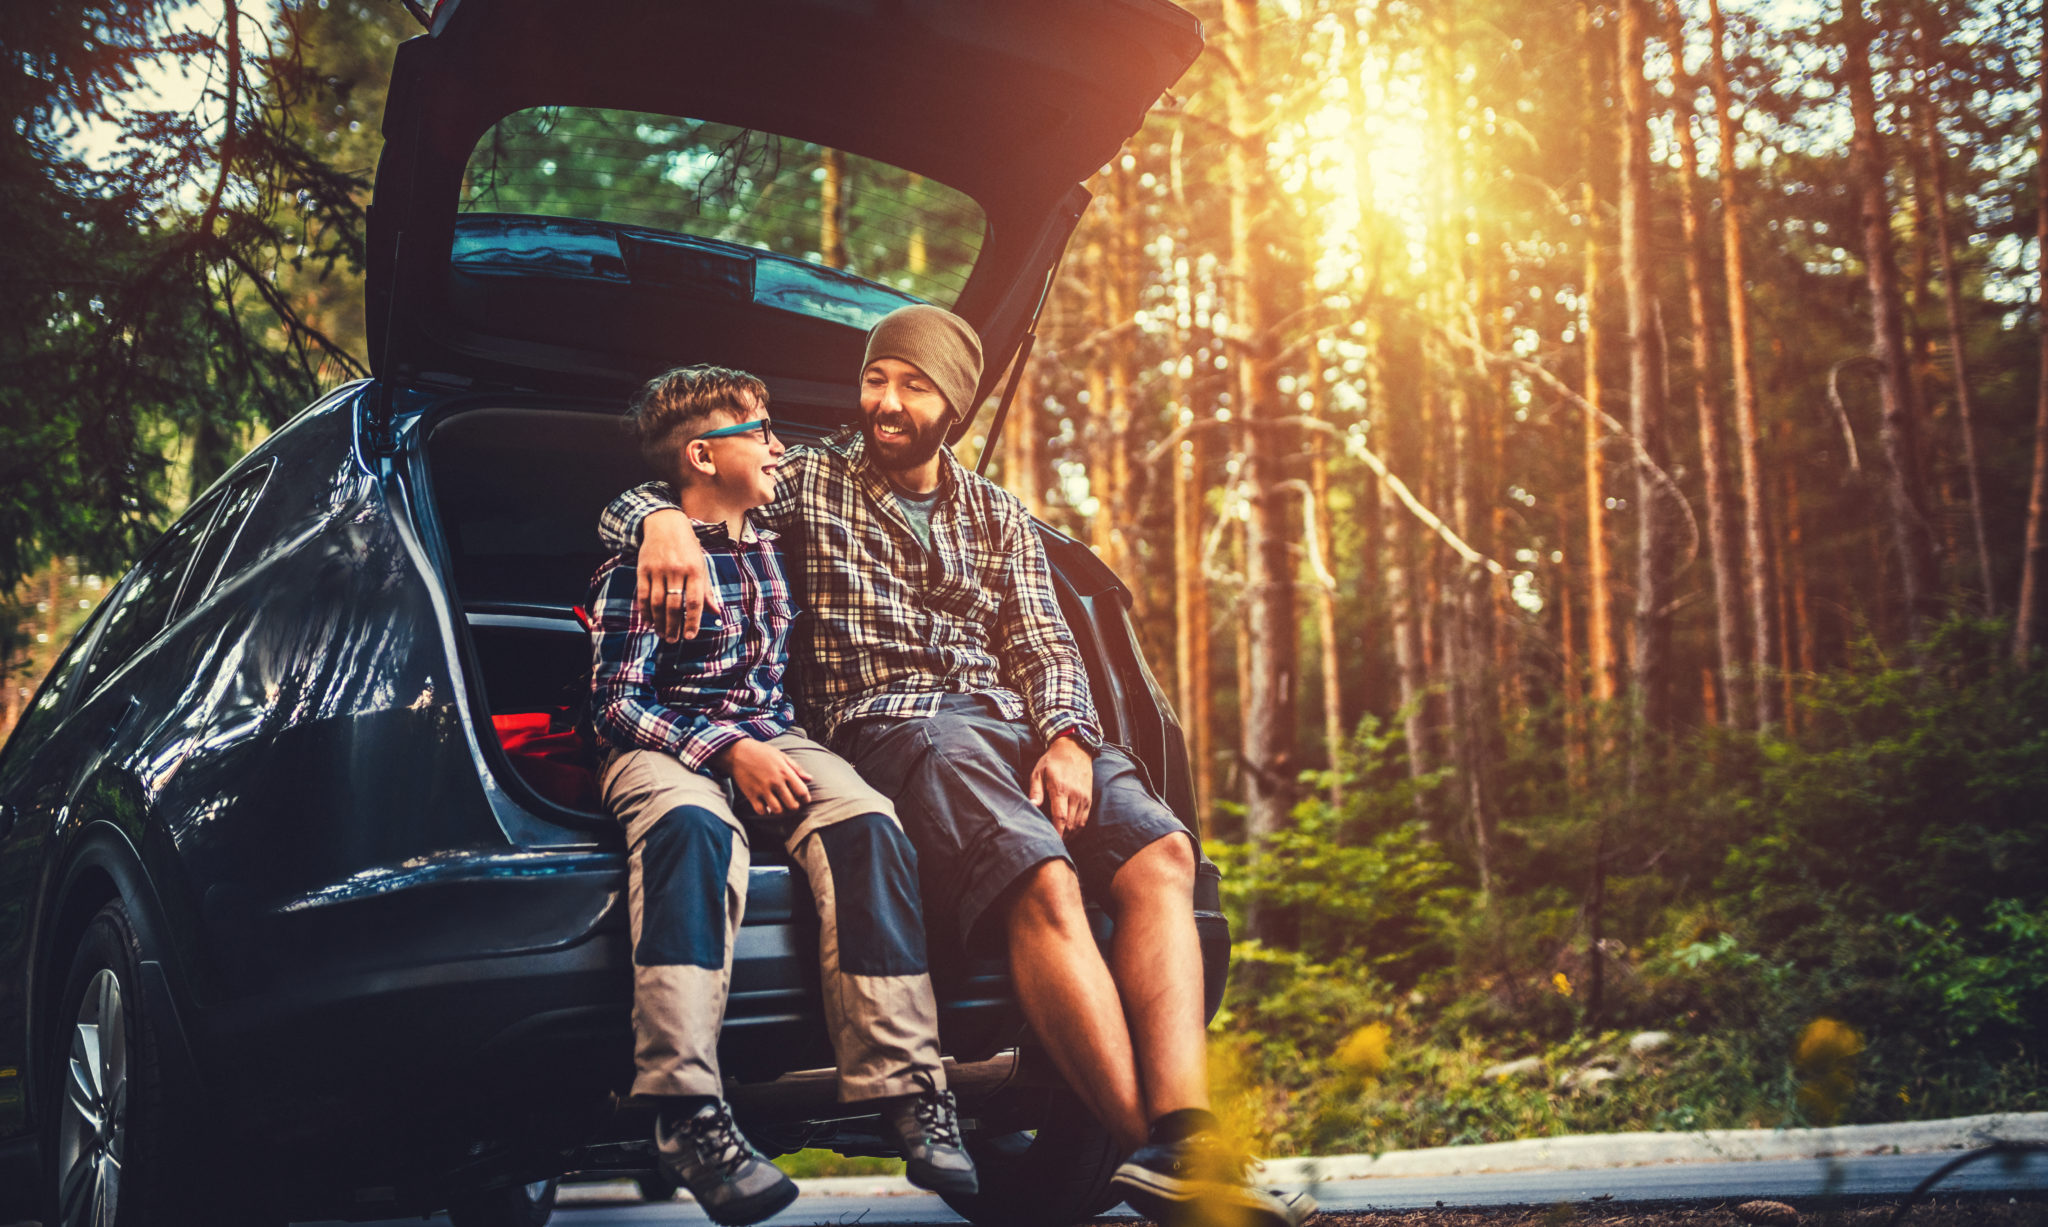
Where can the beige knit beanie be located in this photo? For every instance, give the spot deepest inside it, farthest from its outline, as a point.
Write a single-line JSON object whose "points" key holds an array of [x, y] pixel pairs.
{"points": [[935, 341]]}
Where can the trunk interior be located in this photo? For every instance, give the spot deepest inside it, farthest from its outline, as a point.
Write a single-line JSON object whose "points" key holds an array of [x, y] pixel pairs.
{"points": [[516, 493]]}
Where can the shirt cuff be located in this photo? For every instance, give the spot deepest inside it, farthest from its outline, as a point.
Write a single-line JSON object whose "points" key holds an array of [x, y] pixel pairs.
{"points": [[699, 746]]}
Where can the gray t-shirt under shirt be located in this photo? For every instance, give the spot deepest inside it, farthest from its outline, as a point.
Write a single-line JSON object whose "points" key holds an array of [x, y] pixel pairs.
{"points": [[917, 508]]}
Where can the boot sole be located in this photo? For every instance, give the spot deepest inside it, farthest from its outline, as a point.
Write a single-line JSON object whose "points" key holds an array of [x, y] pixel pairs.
{"points": [[1206, 1203], [765, 1204], [945, 1184]]}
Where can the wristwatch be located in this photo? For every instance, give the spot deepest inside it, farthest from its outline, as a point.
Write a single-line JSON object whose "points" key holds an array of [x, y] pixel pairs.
{"points": [[1084, 736]]}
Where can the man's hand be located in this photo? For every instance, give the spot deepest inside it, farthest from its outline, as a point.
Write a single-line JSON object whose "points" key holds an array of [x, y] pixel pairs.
{"points": [[769, 779], [1064, 783], [673, 586]]}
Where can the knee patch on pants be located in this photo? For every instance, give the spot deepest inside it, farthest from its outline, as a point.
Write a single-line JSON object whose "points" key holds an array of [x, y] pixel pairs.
{"points": [[874, 889], [683, 865]]}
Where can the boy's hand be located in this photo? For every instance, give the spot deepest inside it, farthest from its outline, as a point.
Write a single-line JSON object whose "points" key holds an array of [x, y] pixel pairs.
{"points": [[1064, 782], [769, 779], [673, 587]]}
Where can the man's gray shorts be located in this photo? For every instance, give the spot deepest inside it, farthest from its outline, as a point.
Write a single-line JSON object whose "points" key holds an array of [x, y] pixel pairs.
{"points": [[960, 780]]}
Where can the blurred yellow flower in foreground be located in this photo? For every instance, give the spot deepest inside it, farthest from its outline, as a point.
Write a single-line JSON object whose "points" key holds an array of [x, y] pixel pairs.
{"points": [[1364, 1051], [1825, 1059]]}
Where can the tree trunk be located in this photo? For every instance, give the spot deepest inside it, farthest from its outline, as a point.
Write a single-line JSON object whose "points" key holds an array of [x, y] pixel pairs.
{"points": [[915, 258], [1958, 355], [1334, 734], [832, 210], [1101, 439], [1784, 561], [1573, 685], [1119, 288], [1191, 603], [1268, 694], [1600, 660], [1763, 644], [1651, 664], [1470, 658], [1798, 639], [1022, 466], [2027, 622], [1397, 555], [1722, 545], [1911, 538]]}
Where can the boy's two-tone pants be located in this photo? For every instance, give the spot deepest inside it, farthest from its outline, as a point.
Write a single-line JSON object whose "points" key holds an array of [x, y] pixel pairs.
{"points": [[686, 892]]}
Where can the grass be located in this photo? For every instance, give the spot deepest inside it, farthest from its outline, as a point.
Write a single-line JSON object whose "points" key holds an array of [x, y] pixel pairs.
{"points": [[1422, 1095], [819, 1164]]}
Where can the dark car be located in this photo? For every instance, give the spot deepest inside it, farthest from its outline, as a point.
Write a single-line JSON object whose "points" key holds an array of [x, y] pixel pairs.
{"points": [[307, 909]]}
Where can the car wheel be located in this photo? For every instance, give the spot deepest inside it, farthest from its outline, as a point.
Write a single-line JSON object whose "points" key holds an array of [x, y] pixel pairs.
{"points": [[106, 1127], [655, 1186], [1054, 1176], [518, 1205]]}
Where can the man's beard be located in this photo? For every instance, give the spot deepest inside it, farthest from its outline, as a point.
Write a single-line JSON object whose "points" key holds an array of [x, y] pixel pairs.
{"points": [[906, 452]]}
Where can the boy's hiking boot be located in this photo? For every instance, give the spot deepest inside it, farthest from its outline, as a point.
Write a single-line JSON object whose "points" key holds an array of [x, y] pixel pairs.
{"points": [[707, 1155], [927, 1128], [1199, 1181]]}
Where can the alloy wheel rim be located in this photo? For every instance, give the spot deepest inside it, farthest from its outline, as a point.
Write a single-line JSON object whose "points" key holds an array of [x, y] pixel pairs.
{"points": [[95, 1113]]}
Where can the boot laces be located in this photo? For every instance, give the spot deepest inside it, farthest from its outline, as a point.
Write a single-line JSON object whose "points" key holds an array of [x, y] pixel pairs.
{"points": [[936, 1113], [718, 1141]]}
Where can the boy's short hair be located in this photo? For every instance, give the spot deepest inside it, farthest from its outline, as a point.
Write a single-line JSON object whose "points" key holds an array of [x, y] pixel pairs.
{"points": [[680, 404]]}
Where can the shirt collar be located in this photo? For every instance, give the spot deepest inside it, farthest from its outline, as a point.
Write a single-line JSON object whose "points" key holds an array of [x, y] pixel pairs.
{"points": [[715, 534]]}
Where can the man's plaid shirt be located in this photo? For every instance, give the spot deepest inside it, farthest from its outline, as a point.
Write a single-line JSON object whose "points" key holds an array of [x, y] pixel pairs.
{"points": [[697, 696], [891, 626]]}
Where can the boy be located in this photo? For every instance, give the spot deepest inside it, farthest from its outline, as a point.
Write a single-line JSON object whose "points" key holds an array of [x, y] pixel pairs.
{"points": [[680, 720]]}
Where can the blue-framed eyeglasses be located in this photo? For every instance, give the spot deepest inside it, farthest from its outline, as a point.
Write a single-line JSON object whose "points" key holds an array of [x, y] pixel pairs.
{"points": [[765, 425]]}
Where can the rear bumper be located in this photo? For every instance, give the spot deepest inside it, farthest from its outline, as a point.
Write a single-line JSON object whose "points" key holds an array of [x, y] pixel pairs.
{"points": [[381, 1047]]}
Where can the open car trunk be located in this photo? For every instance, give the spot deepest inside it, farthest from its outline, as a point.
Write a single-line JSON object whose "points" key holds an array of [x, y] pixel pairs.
{"points": [[513, 494]]}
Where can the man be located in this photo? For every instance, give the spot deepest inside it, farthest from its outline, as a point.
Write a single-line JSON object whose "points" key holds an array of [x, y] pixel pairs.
{"points": [[682, 721], [937, 661]]}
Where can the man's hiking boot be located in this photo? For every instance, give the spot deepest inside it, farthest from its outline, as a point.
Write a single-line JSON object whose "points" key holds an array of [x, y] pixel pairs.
{"points": [[1199, 1181], [927, 1128], [707, 1155]]}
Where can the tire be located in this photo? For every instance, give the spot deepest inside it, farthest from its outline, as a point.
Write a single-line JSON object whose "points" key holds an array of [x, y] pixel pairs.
{"points": [[517, 1205], [654, 1186], [1056, 1176], [107, 1125]]}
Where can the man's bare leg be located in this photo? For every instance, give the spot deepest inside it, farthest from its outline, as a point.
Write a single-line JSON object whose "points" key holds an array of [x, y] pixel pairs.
{"points": [[1156, 962], [1187, 1174], [1070, 1000]]}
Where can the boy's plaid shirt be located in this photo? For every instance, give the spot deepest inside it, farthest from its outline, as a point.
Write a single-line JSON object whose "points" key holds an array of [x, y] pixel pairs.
{"points": [[694, 697], [890, 626]]}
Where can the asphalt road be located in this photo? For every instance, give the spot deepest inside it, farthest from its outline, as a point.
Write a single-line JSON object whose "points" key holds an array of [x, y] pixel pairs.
{"points": [[1792, 1180]]}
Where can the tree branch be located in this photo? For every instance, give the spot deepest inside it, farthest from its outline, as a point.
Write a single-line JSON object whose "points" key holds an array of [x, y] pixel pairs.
{"points": [[232, 18], [1401, 491], [1564, 390]]}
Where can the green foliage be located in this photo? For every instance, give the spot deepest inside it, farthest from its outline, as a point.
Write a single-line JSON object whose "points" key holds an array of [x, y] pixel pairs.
{"points": [[1359, 881], [818, 1164], [1847, 925], [144, 333], [738, 185]]}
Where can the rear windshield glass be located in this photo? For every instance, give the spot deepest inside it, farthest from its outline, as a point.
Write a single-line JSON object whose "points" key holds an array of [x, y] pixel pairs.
{"points": [[804, 202]]}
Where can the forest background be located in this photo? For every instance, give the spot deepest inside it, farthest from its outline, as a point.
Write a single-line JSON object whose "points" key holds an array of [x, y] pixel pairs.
{"points": [[1578, 465]]}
